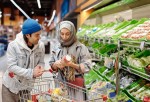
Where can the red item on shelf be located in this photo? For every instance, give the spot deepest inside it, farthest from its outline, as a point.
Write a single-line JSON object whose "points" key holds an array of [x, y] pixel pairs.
{"points": [[146, 99], [104, 97]]}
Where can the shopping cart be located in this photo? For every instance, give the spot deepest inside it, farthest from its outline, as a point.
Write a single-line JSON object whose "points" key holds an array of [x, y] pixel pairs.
{"points": [[50, 89]]}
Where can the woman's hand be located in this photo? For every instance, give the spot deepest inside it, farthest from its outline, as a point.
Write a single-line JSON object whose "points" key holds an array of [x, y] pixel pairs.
{"points": [[59, 64], [66, 60], [70, 63]]}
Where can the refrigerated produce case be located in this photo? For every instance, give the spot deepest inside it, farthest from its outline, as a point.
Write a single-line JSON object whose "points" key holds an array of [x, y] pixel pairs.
{"points": [[129, 42]]}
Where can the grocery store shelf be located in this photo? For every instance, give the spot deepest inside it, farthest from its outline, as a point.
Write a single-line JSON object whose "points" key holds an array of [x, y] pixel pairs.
{"points": [[127, 45], [131, 41], [95, 60], [136, 44], [120, 6], [136, 72]]}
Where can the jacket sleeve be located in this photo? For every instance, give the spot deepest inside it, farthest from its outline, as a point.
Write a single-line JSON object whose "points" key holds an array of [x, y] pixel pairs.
{"points": [[52, 59], [54, 56], [85, 58], [41, 62], [12, 64]]}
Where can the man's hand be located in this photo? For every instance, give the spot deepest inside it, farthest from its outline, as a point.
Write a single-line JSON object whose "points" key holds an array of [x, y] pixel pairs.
{"points": [[38, 71]]}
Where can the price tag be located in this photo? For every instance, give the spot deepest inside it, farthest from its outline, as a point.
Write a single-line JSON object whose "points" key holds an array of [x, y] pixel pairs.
{"points": [[119, 43], [101, 57], [128, 69], [109, 41], [119, 65], [104, 41], [95, 39], [85, 37], [99, 40], [142, 45]]}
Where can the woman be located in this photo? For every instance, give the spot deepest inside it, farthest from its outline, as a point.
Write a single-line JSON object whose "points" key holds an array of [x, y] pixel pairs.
{"points": [[71, 71]]}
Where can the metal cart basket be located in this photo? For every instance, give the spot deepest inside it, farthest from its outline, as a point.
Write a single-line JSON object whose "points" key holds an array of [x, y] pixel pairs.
{"points": [[50, 89]]}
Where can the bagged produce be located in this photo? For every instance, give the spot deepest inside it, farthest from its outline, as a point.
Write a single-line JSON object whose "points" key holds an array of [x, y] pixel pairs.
{"points": [[143, 53]]}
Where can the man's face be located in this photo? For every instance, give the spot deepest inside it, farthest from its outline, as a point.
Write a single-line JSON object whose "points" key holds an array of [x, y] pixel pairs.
{"points": [[34, 38]]}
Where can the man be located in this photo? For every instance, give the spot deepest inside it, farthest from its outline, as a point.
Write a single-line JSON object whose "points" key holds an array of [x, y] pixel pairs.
{"points": [[25, 58]]}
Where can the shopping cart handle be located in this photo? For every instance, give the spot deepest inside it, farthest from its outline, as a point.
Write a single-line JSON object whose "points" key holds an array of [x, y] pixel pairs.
{"points": [[11, 74], [50, 70]]}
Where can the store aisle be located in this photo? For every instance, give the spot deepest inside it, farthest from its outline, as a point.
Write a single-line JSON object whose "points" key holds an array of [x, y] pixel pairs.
{"points": [[46, 59], [3, 64], [2, 70]]}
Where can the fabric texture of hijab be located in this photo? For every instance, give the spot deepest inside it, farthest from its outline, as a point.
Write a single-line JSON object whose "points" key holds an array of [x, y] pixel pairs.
{"points": [[70, 26]]}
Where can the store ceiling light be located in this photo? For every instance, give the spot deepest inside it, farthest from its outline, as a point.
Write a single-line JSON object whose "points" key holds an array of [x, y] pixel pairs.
{"points": [[39, 4], [32, 12], [53, 15], [19, 8], [7, 14]]}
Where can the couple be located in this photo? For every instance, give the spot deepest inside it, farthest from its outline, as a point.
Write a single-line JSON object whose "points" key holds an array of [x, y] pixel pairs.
{"points": [[25, 58]]}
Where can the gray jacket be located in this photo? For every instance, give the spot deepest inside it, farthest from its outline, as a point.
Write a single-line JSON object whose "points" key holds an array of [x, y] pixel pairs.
{"points": [[78, 50], [21, 60]]}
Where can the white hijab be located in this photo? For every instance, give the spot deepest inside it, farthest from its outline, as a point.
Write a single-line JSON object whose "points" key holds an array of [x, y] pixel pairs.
{"points": [[70, 26]]}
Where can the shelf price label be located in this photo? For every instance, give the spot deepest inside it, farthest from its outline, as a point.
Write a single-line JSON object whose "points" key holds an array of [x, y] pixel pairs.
{"points": [[99, 40], [142, 45], [109, 41], [104, 41], [119, 43], [95, 39]]}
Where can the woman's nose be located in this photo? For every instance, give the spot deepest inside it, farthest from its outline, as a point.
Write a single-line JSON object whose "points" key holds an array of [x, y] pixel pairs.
{"points": [[64, 36]]}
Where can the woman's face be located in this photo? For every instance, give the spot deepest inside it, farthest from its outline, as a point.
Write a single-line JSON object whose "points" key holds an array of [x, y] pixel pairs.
{"points": [[65, 34]]}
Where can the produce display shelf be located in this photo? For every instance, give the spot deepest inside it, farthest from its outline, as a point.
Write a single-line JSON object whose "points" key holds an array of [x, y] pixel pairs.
{"points": [[136, 72]]}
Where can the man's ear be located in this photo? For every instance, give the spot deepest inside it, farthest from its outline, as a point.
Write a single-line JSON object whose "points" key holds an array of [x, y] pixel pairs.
{"points": [[28, 35]]}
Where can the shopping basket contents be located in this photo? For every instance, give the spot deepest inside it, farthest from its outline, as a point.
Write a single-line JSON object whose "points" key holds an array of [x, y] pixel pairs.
{"points": [[50, 89]]}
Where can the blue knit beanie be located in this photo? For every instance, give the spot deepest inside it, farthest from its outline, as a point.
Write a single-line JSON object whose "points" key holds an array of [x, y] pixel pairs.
{"points": [[30, 26]]}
